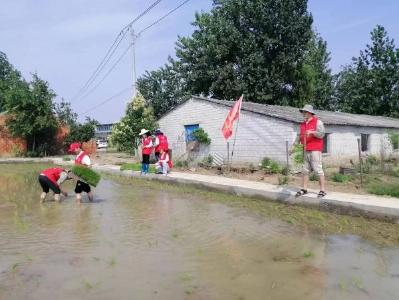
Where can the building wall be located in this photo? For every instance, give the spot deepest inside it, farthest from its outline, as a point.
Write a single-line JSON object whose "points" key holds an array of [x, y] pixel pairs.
{"points": [[258, 136], [10, 146]]}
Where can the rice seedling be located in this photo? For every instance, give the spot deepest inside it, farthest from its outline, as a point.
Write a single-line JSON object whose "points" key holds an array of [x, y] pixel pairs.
{"points": [[88, 175]]}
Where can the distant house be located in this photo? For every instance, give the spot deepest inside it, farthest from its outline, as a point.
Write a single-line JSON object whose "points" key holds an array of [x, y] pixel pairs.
{"points": [[103, 131], [265, 130]]}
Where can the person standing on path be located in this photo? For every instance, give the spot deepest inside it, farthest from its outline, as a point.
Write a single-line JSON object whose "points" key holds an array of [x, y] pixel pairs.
{"points": [[51, 179], [82, 159], [146, 149], [161, 143], [311, 136]]}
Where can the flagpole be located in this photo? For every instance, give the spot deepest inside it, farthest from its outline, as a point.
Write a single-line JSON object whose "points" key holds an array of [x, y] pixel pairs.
{"points": [[235, 135]]}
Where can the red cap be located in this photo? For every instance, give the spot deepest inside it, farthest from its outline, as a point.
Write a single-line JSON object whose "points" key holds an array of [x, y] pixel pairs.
{"points": [[73, 147]]}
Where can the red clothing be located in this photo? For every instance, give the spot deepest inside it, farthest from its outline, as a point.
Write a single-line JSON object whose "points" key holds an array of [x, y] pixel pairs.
{"points": [[53, 174], [165, 156], [163, 143], [147, 142], [310, 142], [79, 158]]}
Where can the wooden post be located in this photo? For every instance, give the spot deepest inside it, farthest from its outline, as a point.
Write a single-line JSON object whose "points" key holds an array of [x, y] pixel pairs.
{"points": [[360, 161], [287, 152], [228, 153]]}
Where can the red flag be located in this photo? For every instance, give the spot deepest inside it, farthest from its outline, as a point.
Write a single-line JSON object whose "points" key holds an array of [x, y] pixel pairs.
{"points": [[233, 115]]}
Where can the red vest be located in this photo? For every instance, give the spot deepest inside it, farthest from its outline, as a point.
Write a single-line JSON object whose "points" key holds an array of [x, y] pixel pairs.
{"points": [[311, 142], [163, 157], [146, 141], [79, 158], [163, 143], [53, 174]]}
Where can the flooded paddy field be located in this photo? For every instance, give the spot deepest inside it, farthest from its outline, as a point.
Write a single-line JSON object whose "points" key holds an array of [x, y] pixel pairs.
{"points": [[147, 240]]}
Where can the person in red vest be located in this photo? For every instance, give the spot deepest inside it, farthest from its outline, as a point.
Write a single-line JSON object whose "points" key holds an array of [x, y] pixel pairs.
{"points": [[51, 179], [146, 149], [161, 142], [164, 164], [311, 137], [82, 159]]}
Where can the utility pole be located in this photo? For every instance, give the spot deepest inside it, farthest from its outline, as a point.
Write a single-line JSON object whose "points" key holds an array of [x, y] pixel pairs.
{"points": [[134, 38]]}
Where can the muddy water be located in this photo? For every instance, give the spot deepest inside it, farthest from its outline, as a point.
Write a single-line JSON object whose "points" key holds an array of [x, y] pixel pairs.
{"points": [[138, 243]]}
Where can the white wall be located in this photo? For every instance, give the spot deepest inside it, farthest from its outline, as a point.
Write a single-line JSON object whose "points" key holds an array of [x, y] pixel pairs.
{"points": [[258, 136]]}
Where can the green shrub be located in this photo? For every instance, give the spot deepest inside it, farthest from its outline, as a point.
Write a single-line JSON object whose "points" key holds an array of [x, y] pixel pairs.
{"points": [[298, 153], [135, 167], [371, 160], [181, 164], [384, 189], [395, 172], [282, 180], [88, 175], [313, 177], [338, 177], [66, 158], [285, 171], [270, 166], [201, 136]]}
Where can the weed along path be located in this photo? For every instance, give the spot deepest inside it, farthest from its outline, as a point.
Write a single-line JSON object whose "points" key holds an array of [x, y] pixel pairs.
{"points": [[144, 239]]}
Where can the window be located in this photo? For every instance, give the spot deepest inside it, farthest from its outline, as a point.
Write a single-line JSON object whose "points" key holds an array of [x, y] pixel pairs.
{"points": [[326, 145], [189, 129], [364, 142]]}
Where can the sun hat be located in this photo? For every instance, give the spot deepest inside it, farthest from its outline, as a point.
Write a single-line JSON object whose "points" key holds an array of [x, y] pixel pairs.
{"points": [[308, 108], [73, 147], [143, 131]]}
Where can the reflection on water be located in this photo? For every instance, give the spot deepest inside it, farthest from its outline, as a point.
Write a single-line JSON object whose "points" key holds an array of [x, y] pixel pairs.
{"points": [[135, 243]]}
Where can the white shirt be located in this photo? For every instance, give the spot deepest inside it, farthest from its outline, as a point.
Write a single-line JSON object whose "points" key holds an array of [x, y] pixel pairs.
{"points": [[86, 159]]}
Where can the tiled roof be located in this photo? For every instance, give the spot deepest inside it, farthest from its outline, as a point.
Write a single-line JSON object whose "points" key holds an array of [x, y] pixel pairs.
{"points": [[292, 114]]}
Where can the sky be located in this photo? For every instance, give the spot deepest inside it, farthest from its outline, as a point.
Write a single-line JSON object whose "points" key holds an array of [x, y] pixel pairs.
{"points": [[64, 41]]}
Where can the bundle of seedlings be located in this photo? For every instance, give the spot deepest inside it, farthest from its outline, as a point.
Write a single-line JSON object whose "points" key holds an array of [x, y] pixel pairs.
{"points": [[87, 175]]}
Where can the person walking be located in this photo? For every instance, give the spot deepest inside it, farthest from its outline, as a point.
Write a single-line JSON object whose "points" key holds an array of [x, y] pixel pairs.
{"points": [[161, 143], [146, 149], [311, 136], [51, 179], [82, 159]]}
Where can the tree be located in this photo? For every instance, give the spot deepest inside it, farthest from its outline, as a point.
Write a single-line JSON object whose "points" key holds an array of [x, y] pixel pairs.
{"points": [[370, 84], [251, 47], [81, 132], [164, 88], [32, 115], [65, 114], [138, 116]]}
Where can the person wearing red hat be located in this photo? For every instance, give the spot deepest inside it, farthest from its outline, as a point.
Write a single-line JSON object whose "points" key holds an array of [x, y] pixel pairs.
{"points": [[51, 179], [82, 159]]}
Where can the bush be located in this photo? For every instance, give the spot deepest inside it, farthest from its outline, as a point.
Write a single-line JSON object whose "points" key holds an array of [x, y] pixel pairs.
{"points": [[384, 189], [337, 177], [298, 153], [88, 175], [201, 136], [313, 177], [66, 158], [371, 160], [285, 171], [181, 164], [282, 180], [395, 172], [270, 166]]}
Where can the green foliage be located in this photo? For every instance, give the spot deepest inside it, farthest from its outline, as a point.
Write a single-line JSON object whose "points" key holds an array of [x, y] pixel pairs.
{"points": [[87, 175], [285, 171], [298, 153], [384, 189], [394, 139], [66, 158], [138, 115], [201, 136], [135, 167], [313, 177], [81, 132], [270, 166], [283, 180], [369, 84], [65, 114], [308, 254], [181, 164], [372, 160], [338, 177]]}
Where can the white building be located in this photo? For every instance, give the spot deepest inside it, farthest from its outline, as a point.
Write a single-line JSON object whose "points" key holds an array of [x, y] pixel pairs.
{"points": [[265, 130]]}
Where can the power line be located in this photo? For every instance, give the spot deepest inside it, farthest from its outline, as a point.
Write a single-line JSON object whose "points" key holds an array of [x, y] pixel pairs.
{"points": [[109, 72], [113, 48], [107, 100], [163, 17]]}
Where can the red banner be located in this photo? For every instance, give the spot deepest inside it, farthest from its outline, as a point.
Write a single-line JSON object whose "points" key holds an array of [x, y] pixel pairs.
{"points": [[233, 115]]}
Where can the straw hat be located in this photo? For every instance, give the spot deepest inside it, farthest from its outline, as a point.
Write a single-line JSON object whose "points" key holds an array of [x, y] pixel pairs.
{"points": [[143, 131], [308, 108]]}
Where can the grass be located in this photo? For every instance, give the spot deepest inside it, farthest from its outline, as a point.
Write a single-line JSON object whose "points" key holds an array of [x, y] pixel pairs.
{"points": [[308, 254], [380, 232], [88, 175], [66, 158], [135, 167], [384, 189], [337, 177]]}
